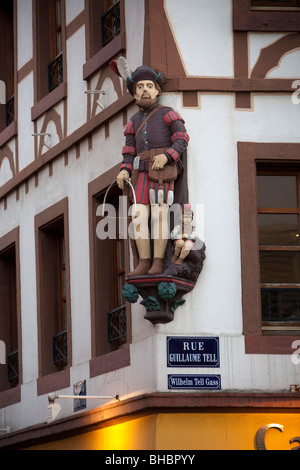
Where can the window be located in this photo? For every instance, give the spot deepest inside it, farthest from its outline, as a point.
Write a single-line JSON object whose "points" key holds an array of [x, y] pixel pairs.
{"points": [[9, 312], [49, 45], [110, 274], [279, 248], [265, 15], [105, 34], [53, 288], [55, 66], [109, 261], [110, 21], [269, 252], [104, 21], [275, 3], [7, 61]]}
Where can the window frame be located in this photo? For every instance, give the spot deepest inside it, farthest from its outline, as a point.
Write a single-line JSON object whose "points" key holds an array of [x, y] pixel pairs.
{"points": [[8, 241], [270, 170], [43, 98], [105, 341], [105, 358], [98, 56], [8, 55], [276, 5], [248, 18], [105, 13], [51, 376], [249, 153]]}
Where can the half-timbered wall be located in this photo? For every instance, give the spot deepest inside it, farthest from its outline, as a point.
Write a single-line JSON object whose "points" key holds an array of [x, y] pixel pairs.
{"points": [[232, 74]]}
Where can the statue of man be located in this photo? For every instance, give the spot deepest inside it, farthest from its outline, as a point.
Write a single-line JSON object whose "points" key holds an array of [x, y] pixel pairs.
{"points": [[155, 140]]}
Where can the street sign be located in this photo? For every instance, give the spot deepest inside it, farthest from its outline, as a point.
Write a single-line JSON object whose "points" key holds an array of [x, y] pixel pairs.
{"points": [[193, 351]]}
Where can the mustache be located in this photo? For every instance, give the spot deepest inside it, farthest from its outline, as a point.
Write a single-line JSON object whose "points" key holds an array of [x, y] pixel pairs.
{"points": [[146, 103]]}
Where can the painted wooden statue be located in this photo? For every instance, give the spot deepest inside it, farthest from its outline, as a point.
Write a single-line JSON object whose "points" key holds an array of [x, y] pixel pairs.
{"points": [[155, 159], [155, 147]]}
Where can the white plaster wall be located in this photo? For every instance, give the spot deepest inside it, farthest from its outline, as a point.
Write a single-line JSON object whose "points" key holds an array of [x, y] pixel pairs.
{"points": [[203, 31], [25, 40], [239, 372], [25, 125], [71, 180], [106, 98], [214, 307], [52, 139], [258, 41], [289, 65], [79, 259], [73, 8], [5, 171], [28, 291], [134, 15], [77, 101]]}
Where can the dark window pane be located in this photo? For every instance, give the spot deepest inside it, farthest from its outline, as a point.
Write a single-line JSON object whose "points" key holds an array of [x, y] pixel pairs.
{"points": [[121, 264], [111, 23], [277, 191], [280, 267], [273, 2], [280, 305], [278, 229]]}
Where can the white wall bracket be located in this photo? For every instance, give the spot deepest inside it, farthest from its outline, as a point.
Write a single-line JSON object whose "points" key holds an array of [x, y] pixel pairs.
{"points": [[5, 431], [97, 92], [54, 408], [43, 134]]}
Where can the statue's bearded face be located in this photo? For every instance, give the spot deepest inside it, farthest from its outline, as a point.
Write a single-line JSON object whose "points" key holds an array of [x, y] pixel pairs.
{"points": [[146, 94]]}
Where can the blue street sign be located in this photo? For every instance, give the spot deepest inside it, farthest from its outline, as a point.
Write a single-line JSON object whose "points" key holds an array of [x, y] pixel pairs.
{"points": [[193, 352], [194, 382]]}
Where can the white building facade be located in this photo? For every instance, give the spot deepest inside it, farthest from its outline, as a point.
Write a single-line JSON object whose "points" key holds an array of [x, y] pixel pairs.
{"points": [[232, 72]]}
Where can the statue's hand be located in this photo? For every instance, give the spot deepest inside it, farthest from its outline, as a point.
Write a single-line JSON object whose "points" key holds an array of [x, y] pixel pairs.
{"points": [[122, 176], [159, 162]]}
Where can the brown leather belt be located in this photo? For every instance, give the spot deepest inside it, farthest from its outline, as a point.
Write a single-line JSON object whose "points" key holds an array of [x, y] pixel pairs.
{"points": [[166, 175], [146, 154]]}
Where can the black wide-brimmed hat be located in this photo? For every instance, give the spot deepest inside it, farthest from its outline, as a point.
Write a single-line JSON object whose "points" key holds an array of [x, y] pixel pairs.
{"points": [[144, 72]]}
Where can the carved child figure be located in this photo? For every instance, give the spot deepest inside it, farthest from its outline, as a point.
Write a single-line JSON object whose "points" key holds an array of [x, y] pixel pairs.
{"points": [[184, 236]]}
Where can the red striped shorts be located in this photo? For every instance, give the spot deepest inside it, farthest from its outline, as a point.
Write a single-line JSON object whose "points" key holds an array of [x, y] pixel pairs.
{"points": [[142, 187]]}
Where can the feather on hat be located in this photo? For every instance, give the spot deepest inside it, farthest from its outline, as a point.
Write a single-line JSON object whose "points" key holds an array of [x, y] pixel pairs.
{"points": [[120, 67], [144, 72]]}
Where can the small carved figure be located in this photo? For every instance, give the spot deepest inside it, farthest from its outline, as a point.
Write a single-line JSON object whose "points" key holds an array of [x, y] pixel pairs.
{"points": [[184, 236]]}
